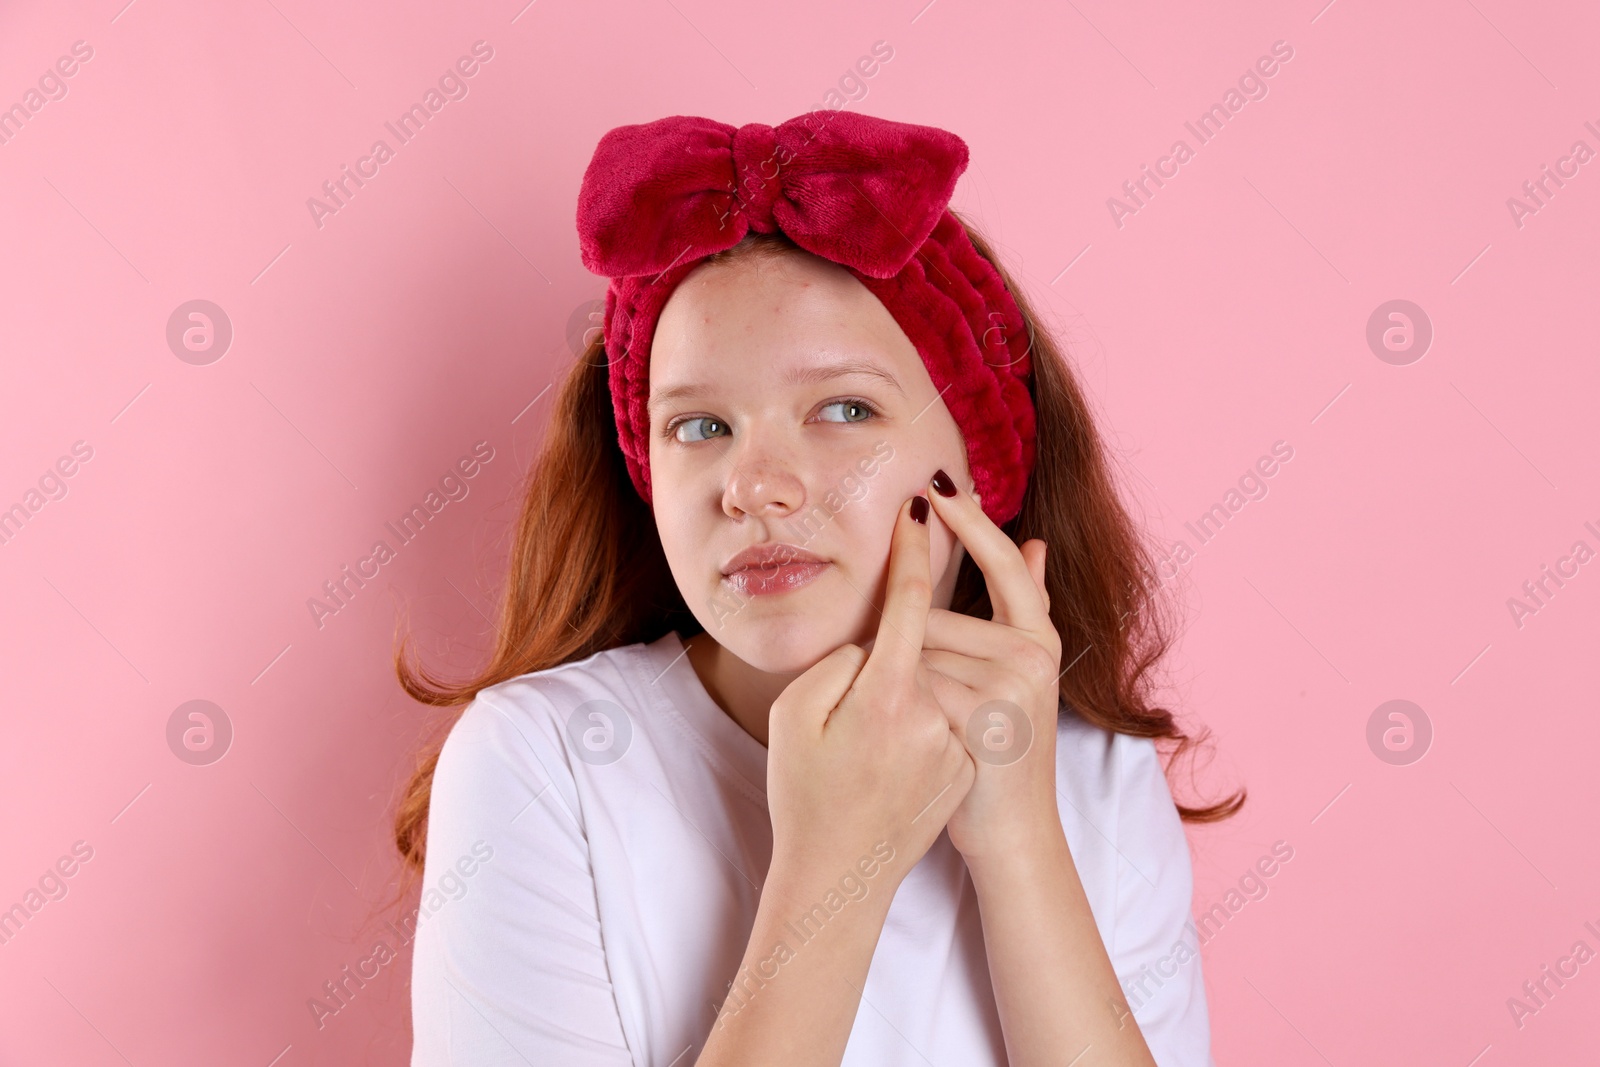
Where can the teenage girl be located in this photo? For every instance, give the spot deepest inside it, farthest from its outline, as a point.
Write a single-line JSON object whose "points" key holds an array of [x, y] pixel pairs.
{"points": [[816, 729]]}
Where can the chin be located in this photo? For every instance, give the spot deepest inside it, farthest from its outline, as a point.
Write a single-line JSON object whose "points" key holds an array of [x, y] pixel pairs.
{"points": [[786, 642]]}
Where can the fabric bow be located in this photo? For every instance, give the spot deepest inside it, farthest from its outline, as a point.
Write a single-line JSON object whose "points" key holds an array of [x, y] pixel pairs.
{"points": [[855, 189]]}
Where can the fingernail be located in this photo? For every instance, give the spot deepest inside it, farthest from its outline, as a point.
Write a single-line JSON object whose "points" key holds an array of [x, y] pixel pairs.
{"points": [[919, 509], [942, 484]]}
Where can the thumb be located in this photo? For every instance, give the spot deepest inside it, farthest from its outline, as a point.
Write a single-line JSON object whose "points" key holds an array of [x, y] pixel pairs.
{"points": [[806, 702]]}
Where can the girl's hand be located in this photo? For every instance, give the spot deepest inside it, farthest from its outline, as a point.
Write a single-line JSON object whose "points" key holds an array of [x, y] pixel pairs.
{"points": [[999, 684], [860, 751]]}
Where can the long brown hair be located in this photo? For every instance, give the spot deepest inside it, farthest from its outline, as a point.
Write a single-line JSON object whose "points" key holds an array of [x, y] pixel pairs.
{"points": [[587, 571]]}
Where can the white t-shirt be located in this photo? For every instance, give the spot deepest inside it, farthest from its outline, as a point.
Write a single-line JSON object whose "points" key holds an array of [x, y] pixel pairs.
{"points": [[593, 871]]}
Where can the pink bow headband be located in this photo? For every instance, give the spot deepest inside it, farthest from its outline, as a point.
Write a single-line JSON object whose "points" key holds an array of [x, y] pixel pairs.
{"points": [[863, 192]]}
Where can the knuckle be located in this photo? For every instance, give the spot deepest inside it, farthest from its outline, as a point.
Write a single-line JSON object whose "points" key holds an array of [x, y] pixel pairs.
{"points": [[934, 733], [1035, 662], [916, 589]]}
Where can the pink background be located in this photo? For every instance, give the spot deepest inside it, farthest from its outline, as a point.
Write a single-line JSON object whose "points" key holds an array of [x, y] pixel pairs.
{"points": [[433, 311]]}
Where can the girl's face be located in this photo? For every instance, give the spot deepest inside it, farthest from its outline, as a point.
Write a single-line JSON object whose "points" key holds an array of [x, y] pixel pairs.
{"points": [[788, 408]]}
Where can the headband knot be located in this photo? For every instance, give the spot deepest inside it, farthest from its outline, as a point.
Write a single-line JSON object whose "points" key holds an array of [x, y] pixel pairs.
{"points": [[756, 170]]}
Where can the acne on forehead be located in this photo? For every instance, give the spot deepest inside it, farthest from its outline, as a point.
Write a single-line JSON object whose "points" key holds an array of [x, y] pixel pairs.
{"points": [[849, 314]]}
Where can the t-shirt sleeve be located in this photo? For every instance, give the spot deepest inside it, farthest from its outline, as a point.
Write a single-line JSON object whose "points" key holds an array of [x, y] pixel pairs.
{"points": [[508, 966], [1155, 950]]}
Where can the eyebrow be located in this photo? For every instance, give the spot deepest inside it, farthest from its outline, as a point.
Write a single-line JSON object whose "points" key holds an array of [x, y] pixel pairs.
{"points": [[849, 368]]}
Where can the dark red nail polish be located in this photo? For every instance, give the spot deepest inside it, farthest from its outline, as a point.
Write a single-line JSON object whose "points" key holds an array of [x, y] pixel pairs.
{"points": [[942, 484], [919, 509]]}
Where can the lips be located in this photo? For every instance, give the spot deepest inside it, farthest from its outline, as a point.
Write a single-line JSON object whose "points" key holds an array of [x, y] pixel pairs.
{"points": [[777, 578], [768, 556], [772, 568]]}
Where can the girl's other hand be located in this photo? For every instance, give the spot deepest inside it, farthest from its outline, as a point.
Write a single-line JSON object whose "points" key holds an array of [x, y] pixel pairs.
{"points": [[999, 682]]}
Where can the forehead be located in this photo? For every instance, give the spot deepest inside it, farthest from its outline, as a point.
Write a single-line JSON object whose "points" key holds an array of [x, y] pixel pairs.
{"points": [[773, 317]]}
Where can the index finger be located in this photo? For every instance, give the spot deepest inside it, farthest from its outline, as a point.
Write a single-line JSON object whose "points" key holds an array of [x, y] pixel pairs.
{"points": [[898, 644], [1012, 590]]}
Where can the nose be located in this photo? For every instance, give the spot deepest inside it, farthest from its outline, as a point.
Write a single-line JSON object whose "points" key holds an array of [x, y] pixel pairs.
{"points": [[761, 480]]}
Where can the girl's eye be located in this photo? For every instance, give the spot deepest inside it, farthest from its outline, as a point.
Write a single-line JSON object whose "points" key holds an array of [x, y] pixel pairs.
{"points": [[865, 410], [854, 410], [719, 426]]}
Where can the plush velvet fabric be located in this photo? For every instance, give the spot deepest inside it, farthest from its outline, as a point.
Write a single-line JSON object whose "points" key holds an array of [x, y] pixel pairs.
{"points": [[867, 193]]}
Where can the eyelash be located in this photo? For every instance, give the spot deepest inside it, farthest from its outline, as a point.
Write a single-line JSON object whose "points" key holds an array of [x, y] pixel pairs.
{"points": [[671, 429]]}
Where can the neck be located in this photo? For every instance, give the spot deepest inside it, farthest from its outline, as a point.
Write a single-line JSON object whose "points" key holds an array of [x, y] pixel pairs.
{"points": [[743, 692]]}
